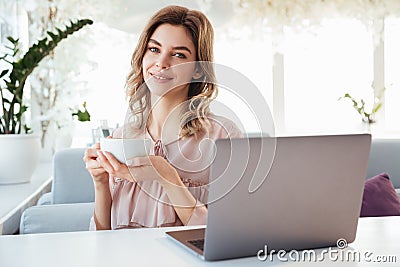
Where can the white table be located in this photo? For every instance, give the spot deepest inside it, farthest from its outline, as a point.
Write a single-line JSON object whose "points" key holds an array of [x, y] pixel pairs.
{"points": [[15, 198], [151, 247]]}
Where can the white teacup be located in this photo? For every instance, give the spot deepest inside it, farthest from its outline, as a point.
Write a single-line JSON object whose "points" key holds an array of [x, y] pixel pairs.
{"points": [[124, 149]]}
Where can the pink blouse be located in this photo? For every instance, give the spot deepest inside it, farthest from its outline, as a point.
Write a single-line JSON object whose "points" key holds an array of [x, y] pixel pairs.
{"points": [[145, 203]]}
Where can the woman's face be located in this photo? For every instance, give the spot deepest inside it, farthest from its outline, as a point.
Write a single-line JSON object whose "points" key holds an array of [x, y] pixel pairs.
{"points": [[169, 61]]}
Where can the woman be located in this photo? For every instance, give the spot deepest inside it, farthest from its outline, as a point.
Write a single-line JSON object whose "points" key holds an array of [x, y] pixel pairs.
{"points": [[170, 88]]}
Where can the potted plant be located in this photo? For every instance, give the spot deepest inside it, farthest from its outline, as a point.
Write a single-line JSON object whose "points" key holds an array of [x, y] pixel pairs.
{"points": [[82, 115], [20, 148], [368, 115]]}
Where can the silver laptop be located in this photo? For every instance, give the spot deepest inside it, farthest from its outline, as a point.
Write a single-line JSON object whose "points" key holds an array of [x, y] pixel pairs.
{"points": [[289, 193]]}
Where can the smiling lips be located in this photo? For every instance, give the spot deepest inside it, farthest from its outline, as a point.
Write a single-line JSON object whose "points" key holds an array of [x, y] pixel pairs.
{"points": [[160, 77]]}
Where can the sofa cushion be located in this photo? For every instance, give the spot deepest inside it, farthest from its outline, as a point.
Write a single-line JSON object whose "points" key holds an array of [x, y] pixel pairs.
{"points": [[56, 218], [380, 197]]}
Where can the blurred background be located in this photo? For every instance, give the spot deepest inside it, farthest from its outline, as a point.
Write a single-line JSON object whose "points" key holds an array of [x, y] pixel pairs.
{"points": [[302, 56]]}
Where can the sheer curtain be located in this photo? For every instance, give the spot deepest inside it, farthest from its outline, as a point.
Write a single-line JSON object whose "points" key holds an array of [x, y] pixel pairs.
{"points": [[319, 67]]}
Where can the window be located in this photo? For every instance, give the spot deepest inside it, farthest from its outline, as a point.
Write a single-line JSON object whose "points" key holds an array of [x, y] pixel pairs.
{"points": [[252, 58], [392, 70], [319, 68]]}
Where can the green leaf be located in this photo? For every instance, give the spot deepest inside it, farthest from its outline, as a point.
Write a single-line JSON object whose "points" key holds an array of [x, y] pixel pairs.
{"points": [[9, 47], [5, 100], [15, 52], [4, 72], [12, 40], [377, 108], [62, 34], [23, 108], [27, 129], [41, 43], [23, 67], [82, 115], [52, 35]]}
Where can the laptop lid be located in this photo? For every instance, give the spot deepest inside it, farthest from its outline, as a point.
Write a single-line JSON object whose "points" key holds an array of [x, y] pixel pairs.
{"points": [[284, 193]]}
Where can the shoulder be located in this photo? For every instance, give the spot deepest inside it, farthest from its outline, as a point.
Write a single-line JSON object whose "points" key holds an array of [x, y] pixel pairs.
{"points": [[223, 127]]}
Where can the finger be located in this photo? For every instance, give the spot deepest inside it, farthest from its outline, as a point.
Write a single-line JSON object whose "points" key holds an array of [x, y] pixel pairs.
{"points": [[102, 159], [90, 153], [116, 168], [96, 146], [93, 164], [113, 161]]}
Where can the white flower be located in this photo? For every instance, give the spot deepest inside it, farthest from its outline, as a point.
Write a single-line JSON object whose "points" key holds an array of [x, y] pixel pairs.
{"points": [[268, 19], [56, 83], [272, 15]]}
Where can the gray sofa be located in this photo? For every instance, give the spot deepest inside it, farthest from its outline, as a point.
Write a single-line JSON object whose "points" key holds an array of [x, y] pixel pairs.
{"points": [[385, 157], [69, 206]]}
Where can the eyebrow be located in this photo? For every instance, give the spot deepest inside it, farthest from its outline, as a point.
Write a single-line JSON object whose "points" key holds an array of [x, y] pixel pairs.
{"points": [[174, 48]]}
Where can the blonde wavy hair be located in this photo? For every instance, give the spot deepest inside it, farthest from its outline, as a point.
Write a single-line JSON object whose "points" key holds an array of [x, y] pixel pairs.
{"points": [[201, 91]]}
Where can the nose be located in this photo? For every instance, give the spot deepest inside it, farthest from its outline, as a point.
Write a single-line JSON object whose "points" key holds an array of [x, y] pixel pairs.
{"points": [[162, 62]]}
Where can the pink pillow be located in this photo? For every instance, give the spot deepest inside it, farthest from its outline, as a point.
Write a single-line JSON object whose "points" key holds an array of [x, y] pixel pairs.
{"points": [[380, 198]]}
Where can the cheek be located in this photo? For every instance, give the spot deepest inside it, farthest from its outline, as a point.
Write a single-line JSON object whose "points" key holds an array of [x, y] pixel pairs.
{"points": [[145, 64], [188, 75], [186, 71]]}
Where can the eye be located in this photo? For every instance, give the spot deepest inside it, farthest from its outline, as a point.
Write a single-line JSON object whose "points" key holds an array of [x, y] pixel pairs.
{"points": [[154, 49], [179, 55]]}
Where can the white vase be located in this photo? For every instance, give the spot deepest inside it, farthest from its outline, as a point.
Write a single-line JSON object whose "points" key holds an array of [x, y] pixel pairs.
{"points": [[56, 139], [65, 137], [19, 156]]}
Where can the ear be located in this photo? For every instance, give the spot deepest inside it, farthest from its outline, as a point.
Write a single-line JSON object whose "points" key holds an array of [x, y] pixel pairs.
{"points": [[198, 73]]}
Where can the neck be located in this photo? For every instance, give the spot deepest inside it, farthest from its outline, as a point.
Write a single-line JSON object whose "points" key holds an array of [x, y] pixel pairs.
{"points": [[164, 123]]}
